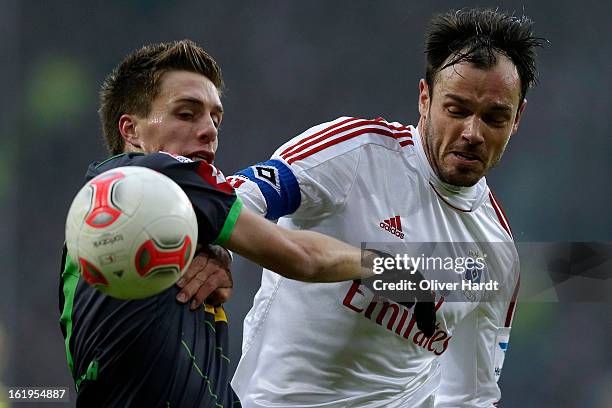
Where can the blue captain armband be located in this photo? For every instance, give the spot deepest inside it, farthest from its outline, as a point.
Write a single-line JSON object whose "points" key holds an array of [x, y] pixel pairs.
{"points": [[278, 185]]}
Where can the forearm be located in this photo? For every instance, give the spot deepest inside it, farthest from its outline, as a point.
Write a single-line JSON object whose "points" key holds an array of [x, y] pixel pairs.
{"points": [[302, 255], [325, 259]]}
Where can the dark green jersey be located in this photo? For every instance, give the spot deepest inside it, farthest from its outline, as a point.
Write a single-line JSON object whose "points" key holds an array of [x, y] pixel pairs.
{"points": [[152, 352]]}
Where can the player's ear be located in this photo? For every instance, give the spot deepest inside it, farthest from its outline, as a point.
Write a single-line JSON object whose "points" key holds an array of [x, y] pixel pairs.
{"points": [[519, 115], [127, 128], [423, 98]]}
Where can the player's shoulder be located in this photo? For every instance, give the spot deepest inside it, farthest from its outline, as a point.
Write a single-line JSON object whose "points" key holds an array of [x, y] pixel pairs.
{"points": [[182, 170], [151, 160], [343, 135]]}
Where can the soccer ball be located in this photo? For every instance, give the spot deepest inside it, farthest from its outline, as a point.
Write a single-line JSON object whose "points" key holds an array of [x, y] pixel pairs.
{"points": [[132, 232]]}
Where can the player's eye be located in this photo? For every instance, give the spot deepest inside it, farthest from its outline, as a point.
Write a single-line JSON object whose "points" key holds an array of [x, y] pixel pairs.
{"points": [[186, 115], [496, 121], [457, 112], [216, 121]]}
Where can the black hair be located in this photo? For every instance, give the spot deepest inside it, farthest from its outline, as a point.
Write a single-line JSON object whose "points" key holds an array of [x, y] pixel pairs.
{"points": [[478, 36]]}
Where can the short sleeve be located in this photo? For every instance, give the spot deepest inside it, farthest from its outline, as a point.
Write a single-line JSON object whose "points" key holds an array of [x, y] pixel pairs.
{"points": [[308, 177], [214, 200]]}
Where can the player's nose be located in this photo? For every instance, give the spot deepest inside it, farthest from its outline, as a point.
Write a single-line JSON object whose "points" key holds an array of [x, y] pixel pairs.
{"points": [[206, 130], [472, 131]]}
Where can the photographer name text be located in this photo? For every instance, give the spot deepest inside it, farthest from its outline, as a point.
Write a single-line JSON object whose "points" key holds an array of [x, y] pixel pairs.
{"points": [[434, 284]]}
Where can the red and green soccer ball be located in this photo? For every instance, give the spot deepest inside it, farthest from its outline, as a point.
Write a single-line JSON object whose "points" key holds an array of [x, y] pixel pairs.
{"points": [[132, 232]]}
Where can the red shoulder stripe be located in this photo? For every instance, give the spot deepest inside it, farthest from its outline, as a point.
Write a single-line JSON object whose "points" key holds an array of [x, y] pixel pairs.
{"points": [[394, 127], [341, 139], [321, 136], [327, 129], [503, 220]]}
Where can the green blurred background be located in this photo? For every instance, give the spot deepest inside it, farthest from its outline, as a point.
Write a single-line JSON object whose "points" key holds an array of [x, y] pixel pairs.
{"points": [[289, 65]]}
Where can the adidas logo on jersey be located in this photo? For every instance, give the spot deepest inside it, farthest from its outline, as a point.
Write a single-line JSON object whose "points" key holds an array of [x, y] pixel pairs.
{"points": [[394, 226]]}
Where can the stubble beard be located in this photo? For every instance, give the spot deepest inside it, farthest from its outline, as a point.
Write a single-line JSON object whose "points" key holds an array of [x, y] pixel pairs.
{"points": [[438, 165]]}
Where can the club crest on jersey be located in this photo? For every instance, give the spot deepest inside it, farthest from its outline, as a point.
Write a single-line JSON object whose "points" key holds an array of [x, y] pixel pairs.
{"points": [[393, 226], [473, 275]]}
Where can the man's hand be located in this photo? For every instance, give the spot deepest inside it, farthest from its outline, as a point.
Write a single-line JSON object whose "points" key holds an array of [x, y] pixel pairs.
{"points": [[208, 278], [423, 301]]}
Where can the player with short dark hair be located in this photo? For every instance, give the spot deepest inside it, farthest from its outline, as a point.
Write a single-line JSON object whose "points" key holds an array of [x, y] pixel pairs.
{"points": [[161, 109], [453, 38], [135, 83], [377, 181]]}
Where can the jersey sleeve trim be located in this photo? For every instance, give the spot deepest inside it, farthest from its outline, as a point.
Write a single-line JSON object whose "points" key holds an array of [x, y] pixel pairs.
{"points": [[278, 185], [70, 279], [230, 222]]}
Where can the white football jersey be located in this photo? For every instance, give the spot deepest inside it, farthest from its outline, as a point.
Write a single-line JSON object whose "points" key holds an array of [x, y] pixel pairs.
{"points": [[337, 345]]}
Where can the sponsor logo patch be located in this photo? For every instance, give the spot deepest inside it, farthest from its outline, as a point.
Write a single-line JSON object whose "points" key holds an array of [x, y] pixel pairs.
{"points": [[393, 226]]}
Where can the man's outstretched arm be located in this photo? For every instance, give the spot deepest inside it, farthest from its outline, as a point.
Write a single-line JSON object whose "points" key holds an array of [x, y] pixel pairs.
{"points": [[302, 255]]}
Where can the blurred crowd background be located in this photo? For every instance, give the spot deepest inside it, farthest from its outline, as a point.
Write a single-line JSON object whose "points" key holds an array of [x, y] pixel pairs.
{"points": [[289, 65]]}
